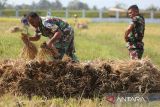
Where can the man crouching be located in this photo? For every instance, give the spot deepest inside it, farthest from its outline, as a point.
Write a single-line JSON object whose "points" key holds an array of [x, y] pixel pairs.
{"points": [[59, 32]]}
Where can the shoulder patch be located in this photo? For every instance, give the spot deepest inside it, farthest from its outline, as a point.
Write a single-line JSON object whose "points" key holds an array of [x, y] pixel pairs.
{"points": [[50, 24]]}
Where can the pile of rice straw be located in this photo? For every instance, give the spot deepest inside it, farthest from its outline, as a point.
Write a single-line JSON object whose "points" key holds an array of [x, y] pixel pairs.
{"points": [[84, 79], [46, 54]]}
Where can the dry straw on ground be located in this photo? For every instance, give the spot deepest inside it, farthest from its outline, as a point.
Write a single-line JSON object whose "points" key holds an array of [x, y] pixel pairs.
{"points": [[67, 79], [15, 29]]}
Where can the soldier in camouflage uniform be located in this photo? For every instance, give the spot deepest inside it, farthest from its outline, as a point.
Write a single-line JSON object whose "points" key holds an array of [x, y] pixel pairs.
{"points": [[60, 33], [135, 33]]}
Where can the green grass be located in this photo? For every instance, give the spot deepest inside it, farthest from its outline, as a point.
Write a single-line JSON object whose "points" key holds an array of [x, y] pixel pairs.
{"points": [[105, 40], [100, 40], [14, 101]]}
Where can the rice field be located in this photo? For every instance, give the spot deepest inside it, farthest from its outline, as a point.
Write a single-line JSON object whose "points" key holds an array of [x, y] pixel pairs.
{"points": [[99, 41]]}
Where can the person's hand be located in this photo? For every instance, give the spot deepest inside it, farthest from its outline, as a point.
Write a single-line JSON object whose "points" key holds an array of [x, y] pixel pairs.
{"points": [[49, 44], [52, 48], [126, 38], [25, 38]]}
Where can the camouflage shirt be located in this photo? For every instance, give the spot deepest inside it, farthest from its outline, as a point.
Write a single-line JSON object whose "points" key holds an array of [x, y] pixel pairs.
{"points": [[50, 26], [137, 33]]}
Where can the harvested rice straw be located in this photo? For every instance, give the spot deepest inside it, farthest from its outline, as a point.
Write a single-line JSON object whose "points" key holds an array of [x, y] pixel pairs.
{"points": [[29, 50], [46, 54], [66, 58]]}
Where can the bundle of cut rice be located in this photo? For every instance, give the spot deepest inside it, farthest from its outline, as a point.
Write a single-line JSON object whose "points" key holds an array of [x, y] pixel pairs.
{"points": [[29, 50], [15, 29], [47, 54], [82, 26], [66, 58]]}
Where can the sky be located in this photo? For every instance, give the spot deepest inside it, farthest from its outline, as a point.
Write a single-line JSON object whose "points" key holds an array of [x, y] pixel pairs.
{"points": [[143, 4]]}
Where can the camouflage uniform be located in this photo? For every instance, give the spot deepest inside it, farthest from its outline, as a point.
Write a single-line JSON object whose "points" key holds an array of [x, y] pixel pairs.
{"points": [[65, 44], [135, 44]]}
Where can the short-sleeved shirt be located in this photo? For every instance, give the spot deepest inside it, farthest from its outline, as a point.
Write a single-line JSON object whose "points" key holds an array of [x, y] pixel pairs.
{"points": [[137, 33], [49, 26]]}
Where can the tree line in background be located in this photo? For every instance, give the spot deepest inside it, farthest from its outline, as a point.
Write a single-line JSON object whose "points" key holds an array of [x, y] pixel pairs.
{"points": [[57, 5], [45, 4]]}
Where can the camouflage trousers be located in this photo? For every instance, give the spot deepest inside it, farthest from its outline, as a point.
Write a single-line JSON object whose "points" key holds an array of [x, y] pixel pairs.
{"points": [[136, 53], [66, 46]]}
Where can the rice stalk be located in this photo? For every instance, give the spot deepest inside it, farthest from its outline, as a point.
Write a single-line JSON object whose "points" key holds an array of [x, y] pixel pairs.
{"points": [[46, 54], [29, 50]]}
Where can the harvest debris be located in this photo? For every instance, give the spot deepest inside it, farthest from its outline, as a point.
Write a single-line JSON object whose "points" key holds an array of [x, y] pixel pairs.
{"points": [[85, 79]]}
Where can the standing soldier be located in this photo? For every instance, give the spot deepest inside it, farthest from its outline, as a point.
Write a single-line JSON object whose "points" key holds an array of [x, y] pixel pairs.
{"points": [[135, 33], [60, 34]]}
